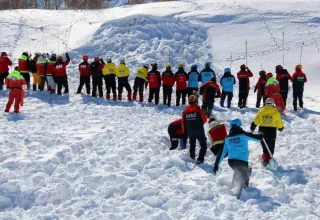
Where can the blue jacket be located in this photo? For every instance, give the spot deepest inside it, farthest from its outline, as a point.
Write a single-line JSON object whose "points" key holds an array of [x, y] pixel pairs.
{"points": [[206, 74], [227, 81], [193, 78], [236, 144]]}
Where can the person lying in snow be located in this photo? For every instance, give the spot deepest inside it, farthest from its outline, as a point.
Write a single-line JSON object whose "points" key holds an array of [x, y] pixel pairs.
{"points": [[175, 132]]}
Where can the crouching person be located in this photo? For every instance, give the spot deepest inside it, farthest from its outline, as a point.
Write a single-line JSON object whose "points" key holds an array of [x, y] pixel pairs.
{"points": [[236, 145], [176, 134], [217, 133]]}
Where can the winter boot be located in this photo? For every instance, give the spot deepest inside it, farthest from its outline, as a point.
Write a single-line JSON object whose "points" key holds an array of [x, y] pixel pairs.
{"points": [[141, 99], [49, 88], [1, 87], [129, 97], [229, 104], [28, 86], [182, 144], [295, 107], [114, 96], [108, 97], [34, 87], [134, 97], [119, 97], [222, 103], [52, 91]]}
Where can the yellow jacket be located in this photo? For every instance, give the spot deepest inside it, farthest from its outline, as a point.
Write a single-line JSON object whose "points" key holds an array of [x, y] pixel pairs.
{"points": [[268, 116], [122, 71], [142, 73], [109, 68]]}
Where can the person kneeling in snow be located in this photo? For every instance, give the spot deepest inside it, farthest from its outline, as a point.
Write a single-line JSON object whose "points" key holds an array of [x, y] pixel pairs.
{"points": [[236, 145], [15, 81], [269, 120], [175, 132]]}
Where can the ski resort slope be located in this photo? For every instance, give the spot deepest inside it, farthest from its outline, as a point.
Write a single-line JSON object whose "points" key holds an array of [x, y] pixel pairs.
{"points": [[76, 157]]}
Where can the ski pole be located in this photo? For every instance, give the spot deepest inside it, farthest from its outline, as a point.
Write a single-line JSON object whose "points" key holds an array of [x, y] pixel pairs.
{"points": [[265, 143], [246, 53]]}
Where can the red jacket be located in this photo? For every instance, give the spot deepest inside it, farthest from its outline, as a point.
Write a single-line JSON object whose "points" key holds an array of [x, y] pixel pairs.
{"points": [[60, 69], [181, 79], [272, 88], [297, 74], [42, 68], [154, 79], [168, 78], [84, 69], [15, 82], [193, 119], [278, 101], [5, 62], [244, 82], [24, 64], [209, 91], [178, 126], [217, 132], [260, 86]]}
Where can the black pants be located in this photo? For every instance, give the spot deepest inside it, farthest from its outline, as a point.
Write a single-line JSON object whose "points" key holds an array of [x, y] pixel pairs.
{"points": [[297, 95], [243, 95], [207, 108], [111, 87], [154, 92], [271, 142], [97, 83], [42, 82], [241, 174], [174, 137], [190, 91], [217, 150], [181, 94], [136, 88], [284, 95], [125, 85], [84, 80], [167, 93], [3, 76], [259, 98], [203, 147], [62, 81], [223, 97], [26, 76]]}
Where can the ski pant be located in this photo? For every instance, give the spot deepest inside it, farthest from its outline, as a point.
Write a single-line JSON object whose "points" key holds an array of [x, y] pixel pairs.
{"points": [[111, 87], [241, 173], [243, 95], [138, 88], [190, 91], [84, 80], [203, 147], [42, 82], [223, 97], [271, 142], [62, 81], [218, 149], [97, 83], [154, 92], [284, 95], [181, 94], [36, 78], [127, 86], [14, 96], [297, 95], [26, 76], [3, 76], [207, 108], [259, 98], [167, 93], [51, 83], [174, 137]]}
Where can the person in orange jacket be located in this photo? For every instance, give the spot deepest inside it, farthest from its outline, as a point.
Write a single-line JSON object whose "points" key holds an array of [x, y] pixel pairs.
{"points": [[298, 80], [175, 132], [15, 81], [272, 90], [5, 62]]}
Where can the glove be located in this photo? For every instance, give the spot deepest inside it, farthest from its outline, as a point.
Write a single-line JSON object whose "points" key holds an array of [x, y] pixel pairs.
{"points": [[215, 169], [255, 90], [67, 55]]}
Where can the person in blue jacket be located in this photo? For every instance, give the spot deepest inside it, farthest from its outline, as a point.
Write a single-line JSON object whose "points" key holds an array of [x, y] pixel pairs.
{"points": [[193, 79], [227, 81], [236, 145], [207, 73]]}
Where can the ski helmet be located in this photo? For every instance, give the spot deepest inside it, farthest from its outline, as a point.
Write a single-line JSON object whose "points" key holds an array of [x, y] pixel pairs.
{"points": [[262, 73], [236, 122], [270, 101], [60, 58], [3, 54], [194, 66], [96, 59], [213, 79], [17, 68], [243, 66], [279, 67], [109, 60], [123, 61], [269, 75], [85, 57], [207, 64], [227, 70], [299, 67], [37, 54], [146, 65], [181, 65], [192, 99], [168, 65], [25, 53]]}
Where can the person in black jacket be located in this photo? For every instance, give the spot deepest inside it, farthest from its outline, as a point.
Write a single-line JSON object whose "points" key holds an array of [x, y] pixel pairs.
{"points": [[244, 85], [209, 91], [154, 80], [298, 80], [96, 72], [34, 71], [193, 119], [283, 78], [168, 80]]}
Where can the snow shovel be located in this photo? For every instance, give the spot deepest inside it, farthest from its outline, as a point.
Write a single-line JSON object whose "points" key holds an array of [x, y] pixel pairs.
{"points": [[273, 164]]}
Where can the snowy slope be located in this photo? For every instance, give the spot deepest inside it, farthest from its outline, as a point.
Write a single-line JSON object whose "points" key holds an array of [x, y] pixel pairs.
{"points": [[75, 157]]}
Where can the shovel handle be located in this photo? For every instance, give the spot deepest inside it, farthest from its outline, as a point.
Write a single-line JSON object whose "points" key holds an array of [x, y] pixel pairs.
{"points": [[265, 143]]}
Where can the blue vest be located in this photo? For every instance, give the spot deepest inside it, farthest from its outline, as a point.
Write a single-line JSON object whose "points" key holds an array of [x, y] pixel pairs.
{"points": [[206, 76], [227, 84], [193, 78]]}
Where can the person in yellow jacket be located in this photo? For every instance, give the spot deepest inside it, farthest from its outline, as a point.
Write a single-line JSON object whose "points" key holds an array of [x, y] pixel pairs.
{"points": [[122, 73], [269, 121], [140, 80], [109, 75]]}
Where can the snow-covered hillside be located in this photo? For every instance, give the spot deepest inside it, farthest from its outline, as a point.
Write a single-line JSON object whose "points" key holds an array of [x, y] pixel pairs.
{"points": [[76, 157]]}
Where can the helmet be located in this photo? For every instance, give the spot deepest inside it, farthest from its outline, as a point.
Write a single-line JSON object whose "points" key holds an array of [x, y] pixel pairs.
{"points": [[146, 65], [192, 99], [3, 54], [243, 66], [109, 60], [181, 65], [227, 70], [269, 75], [299, 67], [213, 79], [122, 61], [154, 64], [60, 58], [37, 54], [236, 122], [279, 67], [194, 66], [269, 101], [96, 59], [53, 55], [25, 53], [211, 119], [17, 68], [207, 64], [168, 65], [262, 72], [85, 57]]}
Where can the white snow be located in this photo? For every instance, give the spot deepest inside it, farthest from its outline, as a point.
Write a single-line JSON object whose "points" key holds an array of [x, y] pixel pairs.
{"points": [[75, 157]]}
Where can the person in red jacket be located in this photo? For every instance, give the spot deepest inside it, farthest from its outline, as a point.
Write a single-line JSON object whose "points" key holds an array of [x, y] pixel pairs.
{"points": [[50, 73], [14, 81], [41, 67], [260, 88], [193, 119], [60, 74], [217, 133], [175, 132], [272, 90], [283, 78], [154, 80], [168, 80], [181, 78], [24, 66], [209, 91], [244, 85], [84, 69], [298, 80], [5, 62]]}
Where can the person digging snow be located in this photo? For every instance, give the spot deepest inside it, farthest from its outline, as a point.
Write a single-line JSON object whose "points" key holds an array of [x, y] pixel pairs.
{"points": [[176, 134], [269, 121], [193, 119], [236, 146]]}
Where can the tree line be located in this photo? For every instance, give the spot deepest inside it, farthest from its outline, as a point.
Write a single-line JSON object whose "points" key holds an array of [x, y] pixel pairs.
{"points": [[69, 4]]}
